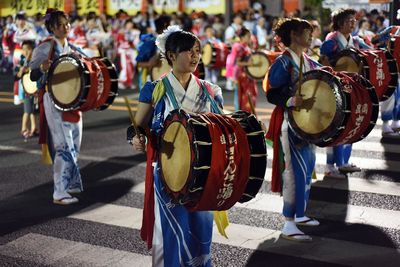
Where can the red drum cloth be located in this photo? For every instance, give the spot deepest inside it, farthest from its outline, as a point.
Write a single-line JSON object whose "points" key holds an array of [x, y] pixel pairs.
{"points": [[348, 119], [377, 66], [93, 82], [215, 54], [379, 72], [220, 143]]}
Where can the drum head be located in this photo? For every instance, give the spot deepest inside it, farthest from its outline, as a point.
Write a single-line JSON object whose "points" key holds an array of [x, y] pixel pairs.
{"points": [[30, 87], [348, 64], [207, 54], [320, 116], [158, 71], [261, 65], [175, 160], [66, 82]]}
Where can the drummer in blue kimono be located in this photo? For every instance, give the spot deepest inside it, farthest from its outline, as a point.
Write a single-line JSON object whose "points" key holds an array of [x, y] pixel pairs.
{"points": [[177, 237], [344, 22], [390, 108], [60, 131], [292, 169]]}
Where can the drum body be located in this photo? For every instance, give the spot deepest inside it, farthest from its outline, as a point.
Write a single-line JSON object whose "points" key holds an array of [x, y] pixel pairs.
{"points": [[345, 110], [209, 161], [215, 54], [157, 72], [262, 61], [30, 87], [80, 83], [377, 66]]}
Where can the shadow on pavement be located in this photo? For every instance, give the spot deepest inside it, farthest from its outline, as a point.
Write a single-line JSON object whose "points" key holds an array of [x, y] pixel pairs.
{"points": [[35, 206]]}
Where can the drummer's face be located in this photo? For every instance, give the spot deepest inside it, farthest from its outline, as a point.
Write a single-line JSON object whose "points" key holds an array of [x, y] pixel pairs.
{"points": [[304, 39], [348, 25], [187, 61], [61, 29]]}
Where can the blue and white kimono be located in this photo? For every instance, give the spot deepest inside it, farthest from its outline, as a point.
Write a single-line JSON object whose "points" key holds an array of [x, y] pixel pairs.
{"points": [[333, 44], [390, 108], [299, 156], [65, 141], [180, 238]]}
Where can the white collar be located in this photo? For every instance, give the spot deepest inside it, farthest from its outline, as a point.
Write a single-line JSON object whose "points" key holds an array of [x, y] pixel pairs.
{"points": [[180, 93], [63, 49], [344, 41], [296, 59]]}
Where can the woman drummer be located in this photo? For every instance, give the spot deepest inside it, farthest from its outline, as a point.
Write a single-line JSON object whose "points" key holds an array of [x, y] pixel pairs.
{"points": [[246, 88], [344, 22], [177, 237], [298, 155], [64, 140]]}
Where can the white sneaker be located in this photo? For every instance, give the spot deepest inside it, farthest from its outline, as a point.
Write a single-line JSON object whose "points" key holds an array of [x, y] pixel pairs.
{"points": [[349, 167], [395, 125], [17, 101]]}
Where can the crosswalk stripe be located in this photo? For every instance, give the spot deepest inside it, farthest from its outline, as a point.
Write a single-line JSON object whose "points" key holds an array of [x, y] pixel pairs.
{"points": [[249, 237], [81, 156], [362, 162], [62, 252], [371, 146], [321, 209]]}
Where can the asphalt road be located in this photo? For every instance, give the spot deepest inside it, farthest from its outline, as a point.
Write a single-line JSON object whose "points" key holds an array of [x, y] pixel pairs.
{"points": [[360, 216]]}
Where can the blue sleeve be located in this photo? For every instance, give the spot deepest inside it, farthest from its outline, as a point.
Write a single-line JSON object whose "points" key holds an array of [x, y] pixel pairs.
{"points": [[278, 75], [384, 35], [280, 82], [146, 93], [361, 43], [328, 48]]}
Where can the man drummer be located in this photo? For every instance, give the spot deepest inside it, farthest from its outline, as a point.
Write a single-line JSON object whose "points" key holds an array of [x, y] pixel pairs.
{"points": [[344, 22]]}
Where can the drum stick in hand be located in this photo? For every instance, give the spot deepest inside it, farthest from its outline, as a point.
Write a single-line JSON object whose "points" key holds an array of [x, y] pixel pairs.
{"points": [[131, 115], [253, 110], [301, 72]]}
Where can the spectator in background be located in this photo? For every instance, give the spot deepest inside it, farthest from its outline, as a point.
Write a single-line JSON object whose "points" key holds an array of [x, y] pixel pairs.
{"points": [[30, 101], [218, 26]]}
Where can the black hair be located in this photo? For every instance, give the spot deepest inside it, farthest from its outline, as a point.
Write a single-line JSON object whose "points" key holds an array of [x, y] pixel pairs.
{"points": [[243, 31], [178, 42], [339, 17], [29, 43], [162, 22], [20, 16], [285, 26], [52, 18]]}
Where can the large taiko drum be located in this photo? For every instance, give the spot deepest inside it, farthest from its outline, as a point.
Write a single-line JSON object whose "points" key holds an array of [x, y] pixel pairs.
{"points": [[157, 72], [215, 54], [345, 110], [29, 86], [81, 83], [378, 66], [262, 60], [209, 161]]}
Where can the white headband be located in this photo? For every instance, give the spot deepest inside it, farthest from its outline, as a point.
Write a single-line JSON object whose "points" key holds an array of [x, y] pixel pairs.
{"points": [[162, 38]]}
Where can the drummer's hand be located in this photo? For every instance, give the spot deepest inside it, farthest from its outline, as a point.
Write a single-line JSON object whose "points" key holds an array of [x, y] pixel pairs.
{"points": [[307, 103], [263, 127], [139, 143], [45, 66], [296, 101]]}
